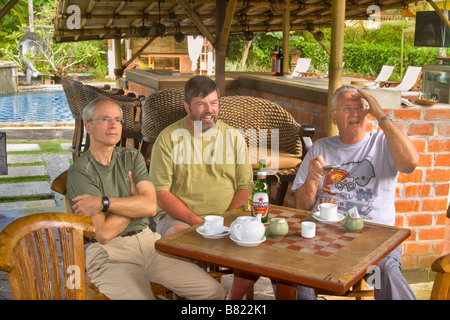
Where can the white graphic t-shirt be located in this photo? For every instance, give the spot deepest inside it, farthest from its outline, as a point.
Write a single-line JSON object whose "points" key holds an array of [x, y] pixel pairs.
{"points": [[366, 179]]}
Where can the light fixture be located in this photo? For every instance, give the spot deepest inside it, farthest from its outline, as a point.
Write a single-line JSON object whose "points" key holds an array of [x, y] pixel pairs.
{"points": [[319, 35], [158, 28], [143, 31], [247, 35], [178, 36]]}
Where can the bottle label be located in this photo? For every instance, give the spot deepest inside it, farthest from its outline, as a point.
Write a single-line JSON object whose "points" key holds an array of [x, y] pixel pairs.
{"points": [[260, 204], [261, 175]]}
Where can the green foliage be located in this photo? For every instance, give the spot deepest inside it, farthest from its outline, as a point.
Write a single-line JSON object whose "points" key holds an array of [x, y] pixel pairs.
{"points": [[49, 57], [365, 50]]}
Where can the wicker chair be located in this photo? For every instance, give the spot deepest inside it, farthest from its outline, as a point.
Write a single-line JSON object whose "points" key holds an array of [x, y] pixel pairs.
{"points": [[130, 129], [160, 109], [252, 115], [164, 107], [77, 101]]}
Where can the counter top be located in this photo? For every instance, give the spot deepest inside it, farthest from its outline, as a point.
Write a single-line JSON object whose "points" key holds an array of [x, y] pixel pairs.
{"points": [[314, 89]]}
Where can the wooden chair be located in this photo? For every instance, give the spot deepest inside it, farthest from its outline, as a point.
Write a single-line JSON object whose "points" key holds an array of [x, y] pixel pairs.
{"points": [[31, 249], [441, 285], [254, 116], [357, 291]]}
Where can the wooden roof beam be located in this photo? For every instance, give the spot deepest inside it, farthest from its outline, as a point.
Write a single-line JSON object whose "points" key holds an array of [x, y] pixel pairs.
{"points": [[439, 12], [222, 45], [131, 32], [197, 21], [7, 7]]}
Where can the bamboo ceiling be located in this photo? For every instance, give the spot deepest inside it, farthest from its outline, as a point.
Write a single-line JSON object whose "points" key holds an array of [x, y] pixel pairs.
{"points": [[107, 19]]}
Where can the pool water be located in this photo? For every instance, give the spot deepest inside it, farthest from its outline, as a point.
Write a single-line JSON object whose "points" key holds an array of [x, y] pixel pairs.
{"points": [[41, 106]]}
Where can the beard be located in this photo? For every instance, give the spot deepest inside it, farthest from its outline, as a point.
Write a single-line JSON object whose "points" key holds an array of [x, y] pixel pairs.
{"points": [[200, 122]]}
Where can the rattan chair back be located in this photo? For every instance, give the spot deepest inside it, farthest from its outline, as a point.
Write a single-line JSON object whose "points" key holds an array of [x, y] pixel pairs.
{"points": [[128, 107], [252, 115], [161, 109]]}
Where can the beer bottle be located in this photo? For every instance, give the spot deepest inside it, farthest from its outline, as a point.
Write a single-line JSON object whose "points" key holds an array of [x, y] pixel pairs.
{"points": [[279, 63], [274, 61], [260, 204]]}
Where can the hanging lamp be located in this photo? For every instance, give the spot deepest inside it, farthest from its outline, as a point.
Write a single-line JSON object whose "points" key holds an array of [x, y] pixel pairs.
{"points": [[158, 28]]}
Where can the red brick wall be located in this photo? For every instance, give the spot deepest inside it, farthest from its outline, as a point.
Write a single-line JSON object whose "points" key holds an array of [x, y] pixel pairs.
{"points": [[422, 197], [139, 89]]}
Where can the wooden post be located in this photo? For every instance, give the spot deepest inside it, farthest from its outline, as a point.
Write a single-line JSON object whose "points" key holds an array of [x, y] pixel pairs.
{"points": [[286, 28], [224, 23], [336, 56], [220, 55], [118, 61]]}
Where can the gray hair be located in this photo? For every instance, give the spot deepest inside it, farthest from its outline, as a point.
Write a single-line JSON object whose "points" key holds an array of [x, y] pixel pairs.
{"points": [[88, 111], [338, 92]]}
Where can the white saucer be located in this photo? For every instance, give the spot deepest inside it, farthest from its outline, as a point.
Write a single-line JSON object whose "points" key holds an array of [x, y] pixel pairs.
{"points": [[202, 231], [316, 215], [248, 244]]}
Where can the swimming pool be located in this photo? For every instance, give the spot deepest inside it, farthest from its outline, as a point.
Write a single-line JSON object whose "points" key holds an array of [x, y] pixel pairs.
{"points": [[35, 106]]}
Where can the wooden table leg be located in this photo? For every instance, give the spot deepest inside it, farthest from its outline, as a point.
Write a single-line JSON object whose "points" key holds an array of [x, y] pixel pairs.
{"points": [[286, 291]]}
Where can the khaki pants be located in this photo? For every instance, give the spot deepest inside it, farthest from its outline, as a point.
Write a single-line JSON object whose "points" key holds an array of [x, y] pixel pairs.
{"points": [[124, 268]]}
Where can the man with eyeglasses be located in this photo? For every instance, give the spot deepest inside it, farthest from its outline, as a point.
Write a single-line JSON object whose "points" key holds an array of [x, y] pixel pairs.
{"points": [[111, 185], [366, 176]]}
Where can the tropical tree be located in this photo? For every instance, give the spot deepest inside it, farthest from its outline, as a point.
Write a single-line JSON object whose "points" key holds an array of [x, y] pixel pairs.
{"points": [[48, 57]]}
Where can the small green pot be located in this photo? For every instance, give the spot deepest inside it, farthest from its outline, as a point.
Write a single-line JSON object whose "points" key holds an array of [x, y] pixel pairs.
{"points": [[354, 224], [278, 227]]}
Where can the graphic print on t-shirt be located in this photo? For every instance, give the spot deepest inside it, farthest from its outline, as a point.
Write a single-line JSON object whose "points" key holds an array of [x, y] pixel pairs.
{"points": [[350, 186]]}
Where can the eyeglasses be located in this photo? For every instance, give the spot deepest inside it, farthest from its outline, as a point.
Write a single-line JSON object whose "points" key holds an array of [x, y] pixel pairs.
{"points": [[106, 120], [348, 109]]}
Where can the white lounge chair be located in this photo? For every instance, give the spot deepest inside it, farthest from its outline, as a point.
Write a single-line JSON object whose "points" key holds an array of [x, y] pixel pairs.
{"points": [[410, 79], [301, 66], [384, 74]]}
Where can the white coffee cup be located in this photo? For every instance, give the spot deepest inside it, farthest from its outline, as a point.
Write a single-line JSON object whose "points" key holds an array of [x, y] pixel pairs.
{"points": [[213, 224], [308, 229], [328, 211]]}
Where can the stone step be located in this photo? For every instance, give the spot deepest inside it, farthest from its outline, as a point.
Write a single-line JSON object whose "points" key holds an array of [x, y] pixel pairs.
{"points": [[25, 171], [27, 205], [25, 189], [22, 147], [24, 158]]}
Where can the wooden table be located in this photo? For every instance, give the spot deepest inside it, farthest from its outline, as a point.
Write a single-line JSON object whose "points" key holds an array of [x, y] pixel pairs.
{"points": [[333, 261]]}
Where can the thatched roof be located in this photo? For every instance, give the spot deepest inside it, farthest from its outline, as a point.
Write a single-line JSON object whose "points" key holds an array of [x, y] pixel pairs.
{"points": [[107, 19]]}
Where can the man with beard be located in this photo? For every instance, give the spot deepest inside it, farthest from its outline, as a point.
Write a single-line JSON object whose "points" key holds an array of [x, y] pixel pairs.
{"points": [[199, 165]]}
